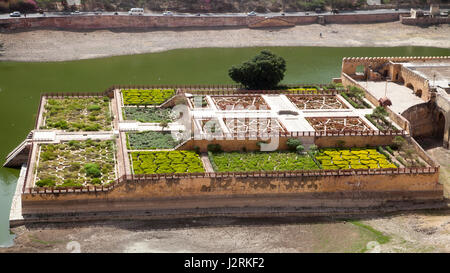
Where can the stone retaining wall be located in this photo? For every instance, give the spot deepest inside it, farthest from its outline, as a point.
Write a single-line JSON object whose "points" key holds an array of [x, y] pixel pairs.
{"points": [[142, 22]]}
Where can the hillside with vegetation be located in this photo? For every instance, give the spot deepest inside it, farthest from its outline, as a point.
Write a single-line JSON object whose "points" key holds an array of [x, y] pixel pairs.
{"points": [[194, 6]]}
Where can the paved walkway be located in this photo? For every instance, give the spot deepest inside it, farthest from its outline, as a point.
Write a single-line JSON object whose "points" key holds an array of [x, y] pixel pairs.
{"points": [[16, 206], [401, 96]]}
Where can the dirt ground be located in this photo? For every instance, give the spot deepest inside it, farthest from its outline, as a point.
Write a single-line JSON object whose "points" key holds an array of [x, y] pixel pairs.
{"points": [[55, 45], [418, 232]]}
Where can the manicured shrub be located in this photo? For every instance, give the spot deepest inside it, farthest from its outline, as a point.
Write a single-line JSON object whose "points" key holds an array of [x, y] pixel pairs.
{"points": [[96, 181], [292, 143], [214, 148], [48, 155], [94, 107], [300, 149], [166, 162], [46, 182], [92, 170], [70, 183], [146, 96]]}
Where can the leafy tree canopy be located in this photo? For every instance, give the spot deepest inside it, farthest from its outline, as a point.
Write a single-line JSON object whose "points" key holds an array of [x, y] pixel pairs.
{"points": [[264, 71]]}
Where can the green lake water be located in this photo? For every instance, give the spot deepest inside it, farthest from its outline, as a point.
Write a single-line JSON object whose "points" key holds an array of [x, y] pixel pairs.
{"points": [[21, 84]]}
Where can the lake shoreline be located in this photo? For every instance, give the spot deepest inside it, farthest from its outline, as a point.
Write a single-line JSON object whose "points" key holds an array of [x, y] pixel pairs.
{"points": [[57, 45]]}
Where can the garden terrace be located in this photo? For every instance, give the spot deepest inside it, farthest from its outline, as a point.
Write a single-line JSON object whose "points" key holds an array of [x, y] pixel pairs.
{"points": [[254, 125], [77, 114], [353, 158], [381, 122], [240, 102], [260, 161], [75, 164], [149, 114], [316, 102], [151, 140], [146, 96], [355, 100], [405, 155], [334, 124], [166, 162]]}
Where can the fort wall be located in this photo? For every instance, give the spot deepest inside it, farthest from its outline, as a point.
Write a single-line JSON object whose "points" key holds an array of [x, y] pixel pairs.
{"points": [[145, 22]]}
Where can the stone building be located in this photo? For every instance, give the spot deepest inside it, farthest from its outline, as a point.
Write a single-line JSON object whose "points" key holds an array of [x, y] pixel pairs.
{"points": [[418, 87]]}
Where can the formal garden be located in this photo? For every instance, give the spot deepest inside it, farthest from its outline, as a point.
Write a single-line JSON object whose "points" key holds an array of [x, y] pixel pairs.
{"points": [[78, 114], [240, 102], [304, 102], [146, 96], [353, 158], [76, 164], [151, 140], [158, 162], [149, 114], [338, 124]]}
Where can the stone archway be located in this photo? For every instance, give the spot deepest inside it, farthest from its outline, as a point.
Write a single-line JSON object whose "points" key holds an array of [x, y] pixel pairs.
{"points": [[410, 86], [440, 126], [418, 93]]}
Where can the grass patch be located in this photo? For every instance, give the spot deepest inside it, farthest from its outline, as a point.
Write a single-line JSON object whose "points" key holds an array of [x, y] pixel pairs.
{"points": [[261, 161], [151, 140], [379, 236], [153, 114]]}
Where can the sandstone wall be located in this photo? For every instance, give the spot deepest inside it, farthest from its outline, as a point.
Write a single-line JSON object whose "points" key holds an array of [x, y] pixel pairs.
{"points": [[123, 22]]}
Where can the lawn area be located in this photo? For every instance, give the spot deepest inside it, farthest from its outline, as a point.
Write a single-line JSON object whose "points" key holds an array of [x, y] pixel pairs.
{"points": [[151, 140], [76, 163], [354, 158], [152, 114], [77, 114], [166, 162], [261, 161], [146, 96]]}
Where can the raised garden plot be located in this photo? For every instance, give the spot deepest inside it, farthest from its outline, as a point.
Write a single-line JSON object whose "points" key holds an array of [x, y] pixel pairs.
{"points": [[261, 161], [309, 90], [77, 114], [198, 101], [146, 96], [76, 163], [151, 140], [253, 125], [381, 123], [166, 162], [354, 158], [332, 124], [316, 102], [152, 114], [240, 102]]}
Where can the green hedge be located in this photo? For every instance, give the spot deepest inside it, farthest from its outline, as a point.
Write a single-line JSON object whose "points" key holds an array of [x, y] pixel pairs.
{"points": [[146, 96], [166, 162]]}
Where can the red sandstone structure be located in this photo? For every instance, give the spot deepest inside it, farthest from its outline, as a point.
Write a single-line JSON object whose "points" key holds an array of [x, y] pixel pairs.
{"points": [[306, 192]]}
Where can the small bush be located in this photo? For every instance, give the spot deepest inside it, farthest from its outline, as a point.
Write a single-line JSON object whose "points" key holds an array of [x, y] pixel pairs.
{"points": [[94, 107], [96, 181], [398, 142], [46, 182], [214, 148], [292, 143], [92, 170], [300, 149]]}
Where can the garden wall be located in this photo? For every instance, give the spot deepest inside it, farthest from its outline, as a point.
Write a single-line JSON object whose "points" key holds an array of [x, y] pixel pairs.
{"points": [[120, 21], [425, 21], [207, 192]]}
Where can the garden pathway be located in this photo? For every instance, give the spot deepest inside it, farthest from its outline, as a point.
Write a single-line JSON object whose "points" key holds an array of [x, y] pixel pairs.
{"points": [[206, 163]]}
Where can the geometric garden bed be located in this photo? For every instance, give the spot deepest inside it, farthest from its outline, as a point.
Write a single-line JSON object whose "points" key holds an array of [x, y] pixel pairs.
{"points": [[76, 164]]}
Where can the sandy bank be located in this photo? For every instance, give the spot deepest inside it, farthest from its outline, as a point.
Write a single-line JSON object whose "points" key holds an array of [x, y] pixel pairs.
{"points": [[54, 45]]}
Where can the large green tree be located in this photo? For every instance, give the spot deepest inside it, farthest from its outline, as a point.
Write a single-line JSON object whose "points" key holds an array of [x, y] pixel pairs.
{"points": [[264, 71]]}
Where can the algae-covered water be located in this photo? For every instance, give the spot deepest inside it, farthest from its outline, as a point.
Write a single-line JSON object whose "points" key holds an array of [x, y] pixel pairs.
{"points": [[21, 84]]}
